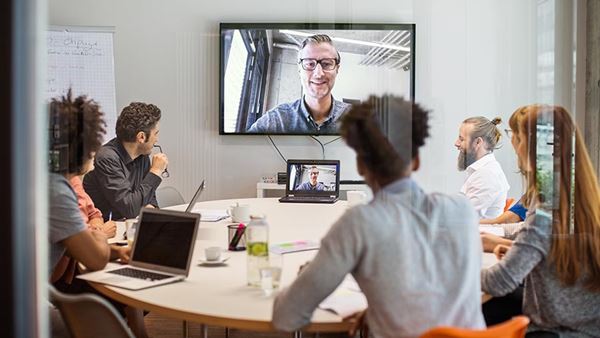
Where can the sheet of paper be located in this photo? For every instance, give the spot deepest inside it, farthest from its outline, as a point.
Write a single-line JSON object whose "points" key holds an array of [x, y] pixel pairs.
{"points": [[346, 300], [494, 230], [120, 235], [211, 215]]}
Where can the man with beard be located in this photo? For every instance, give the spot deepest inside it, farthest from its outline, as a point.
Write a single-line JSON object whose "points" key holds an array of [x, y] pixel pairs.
{"points": [[486, 185], [317, 111]]}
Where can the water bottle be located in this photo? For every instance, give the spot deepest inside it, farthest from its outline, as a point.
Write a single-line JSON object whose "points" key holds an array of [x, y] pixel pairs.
{"points": [[257, 246]]}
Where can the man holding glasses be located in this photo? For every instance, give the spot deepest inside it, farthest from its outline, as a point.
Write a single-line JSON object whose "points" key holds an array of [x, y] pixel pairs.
{"points": [[317, 111], [124, 179]]}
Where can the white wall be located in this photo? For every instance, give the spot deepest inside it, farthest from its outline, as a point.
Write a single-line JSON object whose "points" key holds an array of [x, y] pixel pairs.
{"points": [[472, 58]]}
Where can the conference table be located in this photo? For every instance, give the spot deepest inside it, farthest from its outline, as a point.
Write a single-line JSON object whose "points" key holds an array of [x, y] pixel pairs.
{"points": [[217, 295]]}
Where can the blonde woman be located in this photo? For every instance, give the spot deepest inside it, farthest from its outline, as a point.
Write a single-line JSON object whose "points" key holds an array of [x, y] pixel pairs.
{"points": [[557, 252]]}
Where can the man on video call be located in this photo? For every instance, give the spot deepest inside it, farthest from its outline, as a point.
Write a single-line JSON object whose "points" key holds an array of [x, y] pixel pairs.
{"points": [[317, 111], [312, 184]]}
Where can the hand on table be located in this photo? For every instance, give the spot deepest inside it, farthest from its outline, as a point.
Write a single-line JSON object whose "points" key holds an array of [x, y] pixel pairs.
{"points": [[109, 228], [500, 250], [489, 241], [303, 266], [359, 323], [122, 253]]}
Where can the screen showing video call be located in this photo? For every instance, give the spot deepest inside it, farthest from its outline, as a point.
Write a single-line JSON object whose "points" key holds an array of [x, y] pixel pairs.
{"points": [[303, 177], [280, 79]]}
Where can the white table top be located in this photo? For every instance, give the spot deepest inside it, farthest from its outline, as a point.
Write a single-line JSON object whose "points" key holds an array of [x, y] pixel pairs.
{"points": [[218, 295]]}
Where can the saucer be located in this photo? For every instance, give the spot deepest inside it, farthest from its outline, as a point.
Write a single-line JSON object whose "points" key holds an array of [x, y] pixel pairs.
{"points": [[220, 261]]}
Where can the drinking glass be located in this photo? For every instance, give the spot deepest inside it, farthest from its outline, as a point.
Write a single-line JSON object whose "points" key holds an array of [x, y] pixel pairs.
{"points": [[270, 276]]}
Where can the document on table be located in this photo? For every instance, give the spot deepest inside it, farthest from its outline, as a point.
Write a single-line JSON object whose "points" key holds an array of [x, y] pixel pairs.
{"points": [[346, 300], [494, 230], [211, 215], [120, 235]]}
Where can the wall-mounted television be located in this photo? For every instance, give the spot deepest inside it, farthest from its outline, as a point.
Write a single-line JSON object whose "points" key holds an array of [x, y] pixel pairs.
{"points": [[277, 78]]}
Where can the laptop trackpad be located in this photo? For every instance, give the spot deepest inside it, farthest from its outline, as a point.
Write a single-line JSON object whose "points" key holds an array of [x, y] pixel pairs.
{"points": [[114, 280]]}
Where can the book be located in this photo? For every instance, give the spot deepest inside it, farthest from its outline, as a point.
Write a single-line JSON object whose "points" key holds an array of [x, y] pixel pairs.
{"points": [[295, 246], [211, 215], [346, 300]]}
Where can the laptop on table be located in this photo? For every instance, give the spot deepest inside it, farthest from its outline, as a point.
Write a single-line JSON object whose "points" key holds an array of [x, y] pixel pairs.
{"points": [[161, 254], [312, 181], [195, 198]]}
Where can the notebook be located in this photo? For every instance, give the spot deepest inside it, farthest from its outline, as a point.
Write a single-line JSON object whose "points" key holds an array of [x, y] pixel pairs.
{"points": [[312, 181], [161, 254]]}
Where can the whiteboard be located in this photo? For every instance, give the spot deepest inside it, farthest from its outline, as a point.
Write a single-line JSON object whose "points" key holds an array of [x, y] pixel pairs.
{"points": [[82, 58]]}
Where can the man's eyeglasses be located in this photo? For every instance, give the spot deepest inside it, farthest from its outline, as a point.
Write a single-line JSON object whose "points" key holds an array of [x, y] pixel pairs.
{"points": [[165, 174], [508, 132], [310, 64]]}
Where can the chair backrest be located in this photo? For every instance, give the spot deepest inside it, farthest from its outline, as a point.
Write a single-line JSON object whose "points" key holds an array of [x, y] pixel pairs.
{"points": [[168, 196], [513, 328], [90, 316], [508, 204]]}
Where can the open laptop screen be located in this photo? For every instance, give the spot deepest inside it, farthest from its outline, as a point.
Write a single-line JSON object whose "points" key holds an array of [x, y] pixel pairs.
{"points": [[165, 238], [314, 177]]}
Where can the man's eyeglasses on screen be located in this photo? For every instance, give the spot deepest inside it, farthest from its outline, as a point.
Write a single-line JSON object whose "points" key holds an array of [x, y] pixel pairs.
{"points": [[310, 64]]}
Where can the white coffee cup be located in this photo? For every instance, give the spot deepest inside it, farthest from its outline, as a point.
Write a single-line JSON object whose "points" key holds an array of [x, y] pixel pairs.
{"points": [[239, 213], [212, 253], [356, 197]]}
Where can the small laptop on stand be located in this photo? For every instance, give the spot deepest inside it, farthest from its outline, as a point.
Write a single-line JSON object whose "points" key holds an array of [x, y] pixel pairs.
{"points": [[312, 181], [161, 254]]}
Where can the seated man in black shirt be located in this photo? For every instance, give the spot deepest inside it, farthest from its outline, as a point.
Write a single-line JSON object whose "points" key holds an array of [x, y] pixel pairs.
{"points": [[123, 180]]}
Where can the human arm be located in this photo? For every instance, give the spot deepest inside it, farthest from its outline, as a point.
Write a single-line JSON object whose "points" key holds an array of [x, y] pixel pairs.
{"points": [[489, 241], [337, 256], [88, 247], [527, 251], [506, 217]]}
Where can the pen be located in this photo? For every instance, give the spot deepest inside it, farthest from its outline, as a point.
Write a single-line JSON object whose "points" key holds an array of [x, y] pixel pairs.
{"points": [[110, 216]]}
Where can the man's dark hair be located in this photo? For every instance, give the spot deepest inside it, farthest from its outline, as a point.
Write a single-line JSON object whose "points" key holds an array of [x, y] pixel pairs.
{"points": [[320, 38], [136, 117], [386, 133], [76, 130]]}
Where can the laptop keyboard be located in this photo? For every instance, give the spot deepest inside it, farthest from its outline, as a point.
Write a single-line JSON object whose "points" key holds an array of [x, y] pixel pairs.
{"points": [[307, 198], [140, 274]]}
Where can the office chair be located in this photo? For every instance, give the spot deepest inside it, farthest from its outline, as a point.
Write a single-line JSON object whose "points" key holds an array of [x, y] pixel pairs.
{"points": [[89, 316], [508, 204], [168, 196], [513, 328]]}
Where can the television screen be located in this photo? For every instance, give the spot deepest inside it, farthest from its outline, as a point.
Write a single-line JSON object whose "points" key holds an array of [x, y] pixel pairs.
{"points": [[298, 79]]}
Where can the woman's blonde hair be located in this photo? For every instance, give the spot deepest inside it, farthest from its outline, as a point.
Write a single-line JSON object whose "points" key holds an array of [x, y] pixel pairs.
{"points": [[486, 129], [575, 252]]}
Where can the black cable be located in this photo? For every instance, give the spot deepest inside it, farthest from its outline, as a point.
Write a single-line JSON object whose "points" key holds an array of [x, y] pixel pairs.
{"points": [[335, 139], [274, 145], [321, 143]]}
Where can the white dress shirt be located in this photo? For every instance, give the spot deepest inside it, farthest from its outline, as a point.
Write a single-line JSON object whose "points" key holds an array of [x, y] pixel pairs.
{"points": [[486, 187]]}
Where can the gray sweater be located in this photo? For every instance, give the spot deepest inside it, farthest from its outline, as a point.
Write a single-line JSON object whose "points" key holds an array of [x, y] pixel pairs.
{"points": [[570, 311], [415, 256]]}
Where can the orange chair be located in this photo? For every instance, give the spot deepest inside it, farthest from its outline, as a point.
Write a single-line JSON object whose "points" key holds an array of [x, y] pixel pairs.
{"points": [[509, 202], [513, 328]]}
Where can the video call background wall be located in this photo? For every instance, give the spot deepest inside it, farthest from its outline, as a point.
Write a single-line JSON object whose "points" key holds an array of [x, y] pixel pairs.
{"points": [[482, 57]]}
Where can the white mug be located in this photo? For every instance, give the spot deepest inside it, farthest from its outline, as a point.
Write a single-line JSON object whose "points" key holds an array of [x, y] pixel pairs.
{"points": [[239, 213], [356, 197], [212, 253]]}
